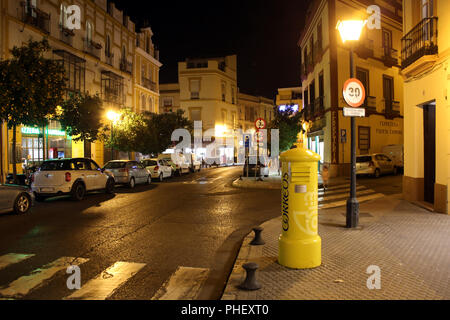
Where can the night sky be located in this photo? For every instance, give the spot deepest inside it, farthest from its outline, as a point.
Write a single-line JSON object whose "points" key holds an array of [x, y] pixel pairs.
{"points": [[263, 34]]}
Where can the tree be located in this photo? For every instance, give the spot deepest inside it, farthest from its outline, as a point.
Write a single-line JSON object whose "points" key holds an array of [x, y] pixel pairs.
{"points": [[288, 123], [31, 87], [127, 133], [82, 117], [159, 130]]}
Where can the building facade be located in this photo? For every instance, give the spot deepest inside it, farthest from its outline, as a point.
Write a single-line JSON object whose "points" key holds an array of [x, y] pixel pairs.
{"points": [[99, 58], [290, 97], [325, 67], [425, 67], [207, 91]]}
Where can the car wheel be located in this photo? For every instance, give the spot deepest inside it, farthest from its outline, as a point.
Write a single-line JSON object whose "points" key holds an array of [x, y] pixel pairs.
{"points": [[149, 180], [78, 191], [132, 183], [39, 198], [161, 177], [377, 173], [22, 204], [395, 172], [110, 186]]}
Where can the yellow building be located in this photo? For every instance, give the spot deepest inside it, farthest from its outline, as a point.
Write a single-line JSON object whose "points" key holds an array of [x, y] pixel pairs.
{"points": [[325, 67], [290, 97], [147, 66], [252, 108], [425, 67], [170, 97], [99, 58]]}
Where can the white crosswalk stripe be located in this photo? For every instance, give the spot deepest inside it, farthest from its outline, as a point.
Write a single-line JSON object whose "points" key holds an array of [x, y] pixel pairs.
{"points": [[104, 285], [184, 284], [25, 284], [12, 258], [336, 196]]}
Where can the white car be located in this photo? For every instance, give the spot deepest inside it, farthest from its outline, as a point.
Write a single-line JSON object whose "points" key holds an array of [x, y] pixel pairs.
{"points": [[159, 169], [375, 165], [72, 177], [179, 165], [128, 172], [195, 165]]}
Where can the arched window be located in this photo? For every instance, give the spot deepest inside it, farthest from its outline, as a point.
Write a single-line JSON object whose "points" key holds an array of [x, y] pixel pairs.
{"points": [[108, 46], [88, 32], [143, 104], [63, 15], [150, 104]]}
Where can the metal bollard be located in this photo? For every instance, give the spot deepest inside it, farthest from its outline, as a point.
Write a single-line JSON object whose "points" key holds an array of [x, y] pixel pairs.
{"points": [[257, 241], [250, 282]]}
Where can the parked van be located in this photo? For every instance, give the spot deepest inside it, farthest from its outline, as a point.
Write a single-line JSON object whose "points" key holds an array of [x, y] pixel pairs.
{"points": [[395, 152]]}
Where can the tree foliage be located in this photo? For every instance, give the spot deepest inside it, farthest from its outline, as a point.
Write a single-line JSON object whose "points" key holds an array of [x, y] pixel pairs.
{"points": [[31, 88], [82, 117], [288, 123]]}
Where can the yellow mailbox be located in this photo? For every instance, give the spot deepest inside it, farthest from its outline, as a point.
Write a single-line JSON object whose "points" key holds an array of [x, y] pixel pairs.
{"points": [[299, 243]]}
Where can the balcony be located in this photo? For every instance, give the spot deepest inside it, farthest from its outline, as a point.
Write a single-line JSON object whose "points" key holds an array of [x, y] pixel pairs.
{"points": [[66, 35], [92, 48], [370, 104], [390, 57], [421, 41], [195, 95], [126, 66], [112, 88], [109, 58], [33, 16], [317, 52], [391, 108], [318, 106], [365, 48], [149, 84]]}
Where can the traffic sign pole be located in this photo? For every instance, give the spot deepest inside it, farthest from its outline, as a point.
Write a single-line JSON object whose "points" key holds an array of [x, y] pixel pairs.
{"points": [[352, 214]]}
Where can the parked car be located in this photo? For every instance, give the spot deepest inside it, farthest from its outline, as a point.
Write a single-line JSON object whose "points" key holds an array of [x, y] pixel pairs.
{"points": [[195, 165], [252, 168], [375, 165], [159, 169], [72, 177], [128, 172], [395, 152], [18, 199], [179, 164]]}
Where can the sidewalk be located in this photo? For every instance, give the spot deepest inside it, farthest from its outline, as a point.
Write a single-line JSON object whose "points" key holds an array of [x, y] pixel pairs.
{"points": [[409, 244], [274, 182]]}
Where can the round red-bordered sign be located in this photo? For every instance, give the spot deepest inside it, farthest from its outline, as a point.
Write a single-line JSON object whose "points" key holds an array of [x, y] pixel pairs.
{"points": [[260, 123], [259, 136], [354, 92]]}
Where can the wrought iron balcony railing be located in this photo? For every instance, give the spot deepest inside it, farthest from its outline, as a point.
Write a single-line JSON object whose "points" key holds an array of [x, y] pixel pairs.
{"points": [[109, 58], [319, 107], [66, 35], [149, 84], [420, 41], [92, 48], [391, 107], [35, 17], [370, 104], [126, 66], [364, 48], [390, 57]]}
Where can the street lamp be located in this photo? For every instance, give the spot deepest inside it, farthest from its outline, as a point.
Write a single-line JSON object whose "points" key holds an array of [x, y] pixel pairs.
{"points": [[113, 117], [350, 30]]}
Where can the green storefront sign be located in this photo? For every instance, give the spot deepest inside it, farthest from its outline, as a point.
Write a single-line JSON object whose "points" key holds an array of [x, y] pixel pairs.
{"points": [[36, 131]]}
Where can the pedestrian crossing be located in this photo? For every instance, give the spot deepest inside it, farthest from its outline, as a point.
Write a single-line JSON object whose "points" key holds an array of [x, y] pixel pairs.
{"points": [[336, 196], [184, 284]]}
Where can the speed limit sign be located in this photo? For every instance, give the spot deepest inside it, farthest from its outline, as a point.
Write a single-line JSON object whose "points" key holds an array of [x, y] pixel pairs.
{"points": [[354, 92]]}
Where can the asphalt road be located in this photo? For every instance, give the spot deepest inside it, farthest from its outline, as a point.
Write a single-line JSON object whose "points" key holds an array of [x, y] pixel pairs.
{"points": [[197, 220]]}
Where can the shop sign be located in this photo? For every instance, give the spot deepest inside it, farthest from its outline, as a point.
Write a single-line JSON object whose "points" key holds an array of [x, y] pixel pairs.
{"points": [[36, 131]]}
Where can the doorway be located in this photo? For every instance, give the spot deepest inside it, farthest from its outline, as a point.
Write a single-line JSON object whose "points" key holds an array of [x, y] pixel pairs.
{"points": [[429, 150]]}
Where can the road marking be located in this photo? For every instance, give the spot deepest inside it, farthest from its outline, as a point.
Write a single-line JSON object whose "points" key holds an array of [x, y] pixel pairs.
{"points": [[23, 285], [326, 197], [104, 285], [12, 258], [184, 284], [344, 202]]}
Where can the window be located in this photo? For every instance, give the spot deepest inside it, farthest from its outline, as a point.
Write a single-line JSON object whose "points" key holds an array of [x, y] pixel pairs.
{"points": [[63, 15], [223, 91], [147, 45], [124, 53], [427, 8], [319, 35], [195, 114], [150, 104], [364, 139], [387, 42], [168, 102], [194, 85], [232, 95], [75, 70], [363, 76], [88, 32], [143, 103], [138, 41], [108, 46], [224, 116]]}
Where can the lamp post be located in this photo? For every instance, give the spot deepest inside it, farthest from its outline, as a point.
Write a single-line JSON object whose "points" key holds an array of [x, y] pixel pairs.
{"points": [[350, 30], [113, 117]]}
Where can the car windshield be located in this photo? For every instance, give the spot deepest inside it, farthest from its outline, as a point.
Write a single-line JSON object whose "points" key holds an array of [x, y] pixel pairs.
{"points": [[55, 165], [115, 165], [364, 159], [149, 163]]}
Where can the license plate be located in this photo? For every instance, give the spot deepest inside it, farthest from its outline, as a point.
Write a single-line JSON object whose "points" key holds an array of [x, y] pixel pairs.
{"points": [[46, 189]]}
